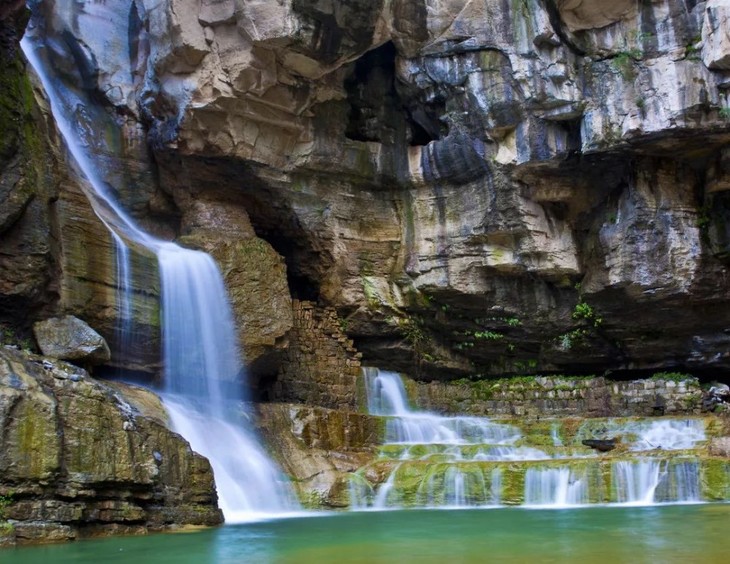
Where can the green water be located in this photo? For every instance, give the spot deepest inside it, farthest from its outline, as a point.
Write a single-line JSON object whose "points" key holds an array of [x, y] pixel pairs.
{"points": [[691, 533]]}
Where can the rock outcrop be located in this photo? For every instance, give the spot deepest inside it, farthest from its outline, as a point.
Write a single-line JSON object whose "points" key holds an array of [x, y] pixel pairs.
{"points": [[77, 459], [461, 180], [473, 186]]}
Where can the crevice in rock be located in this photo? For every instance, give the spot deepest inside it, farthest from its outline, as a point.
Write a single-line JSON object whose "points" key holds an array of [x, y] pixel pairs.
{"points": [[557, 23], [378, 111]]}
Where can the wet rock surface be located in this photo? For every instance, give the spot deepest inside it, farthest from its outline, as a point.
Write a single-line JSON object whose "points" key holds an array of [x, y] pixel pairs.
{"points": [[76, 459], [471, 188]]}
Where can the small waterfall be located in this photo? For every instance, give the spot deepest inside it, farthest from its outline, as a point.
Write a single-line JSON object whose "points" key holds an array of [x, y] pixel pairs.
{"points": [[555, 435], [445, 441], [554, 487], [637, 481], [668, 434], [464, 461], [387, 396], [386, 496], [202, 366], [360, 491], [649, 481], [123, 275], [684, 481], [648, 434]]}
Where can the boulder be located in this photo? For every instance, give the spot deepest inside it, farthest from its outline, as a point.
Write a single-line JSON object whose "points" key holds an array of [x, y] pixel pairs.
{"points": [[601, 445], [70, 338]]}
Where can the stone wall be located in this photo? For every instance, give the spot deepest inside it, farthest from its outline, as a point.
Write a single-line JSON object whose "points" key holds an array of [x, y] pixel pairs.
{"points": [[321, 366], [560, 396]]}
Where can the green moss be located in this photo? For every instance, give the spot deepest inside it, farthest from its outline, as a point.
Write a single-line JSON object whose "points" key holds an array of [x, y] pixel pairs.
{"points": [[513, 484], [715, 479], [6, 529], [18, 127]]}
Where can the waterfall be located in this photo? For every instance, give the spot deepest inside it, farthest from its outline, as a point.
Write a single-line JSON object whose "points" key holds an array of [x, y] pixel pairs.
{"points": [[459, 461], [456, 445], [648, 481], [202, 366], [123, 276], [637, 481], [387, 396], [554, 487]]}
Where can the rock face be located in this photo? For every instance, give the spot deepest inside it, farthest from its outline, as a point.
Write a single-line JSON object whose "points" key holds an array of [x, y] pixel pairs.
{"points": [[319, 448], [472, 185], [70, 338], [76, 459], [461, 181]]}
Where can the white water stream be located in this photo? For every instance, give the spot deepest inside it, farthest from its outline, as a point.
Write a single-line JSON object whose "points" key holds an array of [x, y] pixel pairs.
{"points": [[452, 447], [202, 365]]}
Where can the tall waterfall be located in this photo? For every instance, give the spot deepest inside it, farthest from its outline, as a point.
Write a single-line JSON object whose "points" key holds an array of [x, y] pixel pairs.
{"points": [[202, 365]]}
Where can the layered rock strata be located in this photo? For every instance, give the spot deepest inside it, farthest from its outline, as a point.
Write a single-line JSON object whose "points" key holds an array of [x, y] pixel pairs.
{"points": [[77, 459], [321, 367], [473, 185]]}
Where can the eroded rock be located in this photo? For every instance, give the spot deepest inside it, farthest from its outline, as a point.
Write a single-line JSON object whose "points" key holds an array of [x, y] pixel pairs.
{"points": [[76, 459], [455, 178]]}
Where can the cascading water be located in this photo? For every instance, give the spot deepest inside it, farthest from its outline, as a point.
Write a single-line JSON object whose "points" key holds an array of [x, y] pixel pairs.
{"points": [[554, 487], [202, 365], [475, 462], [454, 444]]}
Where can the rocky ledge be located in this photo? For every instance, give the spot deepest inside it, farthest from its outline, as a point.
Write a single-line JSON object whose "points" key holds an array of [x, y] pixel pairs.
{"points": [[77, 459]]}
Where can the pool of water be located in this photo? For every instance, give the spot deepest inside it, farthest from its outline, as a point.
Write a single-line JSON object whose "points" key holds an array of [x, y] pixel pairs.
{"points": [[688, 533]]}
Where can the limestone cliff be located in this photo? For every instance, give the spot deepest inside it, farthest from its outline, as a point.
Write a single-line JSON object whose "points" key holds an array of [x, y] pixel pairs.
{"points": [[478, 187]]}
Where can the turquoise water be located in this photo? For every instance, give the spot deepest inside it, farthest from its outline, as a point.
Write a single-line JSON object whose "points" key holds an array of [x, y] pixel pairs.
{"points": [[689, 533]]}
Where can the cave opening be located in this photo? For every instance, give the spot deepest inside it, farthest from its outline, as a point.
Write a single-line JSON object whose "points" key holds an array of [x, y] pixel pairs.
{"points": [[381, 110]]}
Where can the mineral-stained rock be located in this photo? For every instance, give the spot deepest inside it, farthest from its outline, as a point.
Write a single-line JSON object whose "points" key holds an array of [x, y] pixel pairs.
{"points": [[475, 186], [70, 338], [318, 448], [76, 459], [254, 274]]}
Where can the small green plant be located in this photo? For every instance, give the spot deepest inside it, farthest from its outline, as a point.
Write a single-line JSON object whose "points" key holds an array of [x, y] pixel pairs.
{"points": [[672, 376], [724, 113], [703, 219], [488, 335], [640, 103], [644, 35], [623, 62], [693, 48], [572, 339], [413, 331], [5, 501], [585, 311]]}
